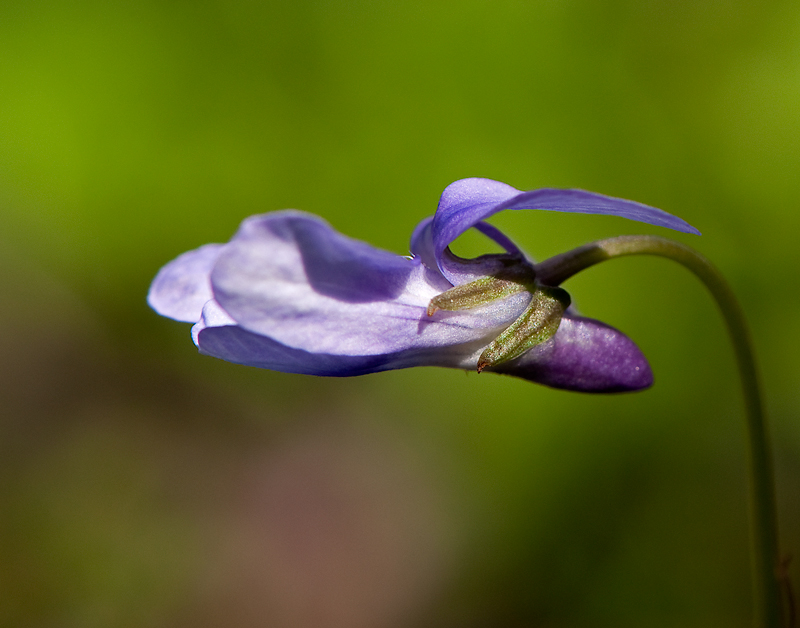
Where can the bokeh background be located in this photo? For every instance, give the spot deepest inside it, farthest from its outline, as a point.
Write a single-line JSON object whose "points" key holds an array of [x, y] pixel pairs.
{"points": [[144, 485]]}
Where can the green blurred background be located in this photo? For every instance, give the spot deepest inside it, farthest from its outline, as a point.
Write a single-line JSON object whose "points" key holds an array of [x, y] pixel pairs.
{"points": [[144, 485]]}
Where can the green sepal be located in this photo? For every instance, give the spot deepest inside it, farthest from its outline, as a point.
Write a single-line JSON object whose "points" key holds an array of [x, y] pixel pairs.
{"points": [[512, 280], [473, 294], [538, 323]]}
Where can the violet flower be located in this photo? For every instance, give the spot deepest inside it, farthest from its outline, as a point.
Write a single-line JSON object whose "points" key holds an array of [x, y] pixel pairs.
{"points": [[291, 294]]}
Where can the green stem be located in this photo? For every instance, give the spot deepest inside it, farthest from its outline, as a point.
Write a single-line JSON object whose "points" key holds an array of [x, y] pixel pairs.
{"points": [[764, 528]]}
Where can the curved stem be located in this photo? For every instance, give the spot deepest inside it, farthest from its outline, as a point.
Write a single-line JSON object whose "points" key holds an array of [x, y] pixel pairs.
{"points": [[764, 528]]}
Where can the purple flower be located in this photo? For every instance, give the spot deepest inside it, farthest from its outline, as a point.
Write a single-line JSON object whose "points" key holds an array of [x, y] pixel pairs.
{"points": [[289, 293]]}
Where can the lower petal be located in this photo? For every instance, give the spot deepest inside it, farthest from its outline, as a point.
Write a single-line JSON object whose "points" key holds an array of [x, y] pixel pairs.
{"points": [[219, 336]]}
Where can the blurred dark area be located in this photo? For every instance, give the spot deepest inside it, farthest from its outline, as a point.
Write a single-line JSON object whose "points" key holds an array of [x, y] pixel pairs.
{"points": [[142, 484]]}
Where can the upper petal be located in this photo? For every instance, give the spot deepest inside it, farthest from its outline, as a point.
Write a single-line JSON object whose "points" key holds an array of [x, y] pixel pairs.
{"points": [[291, 277], [182, 287], [466, 202], [458, 270]]}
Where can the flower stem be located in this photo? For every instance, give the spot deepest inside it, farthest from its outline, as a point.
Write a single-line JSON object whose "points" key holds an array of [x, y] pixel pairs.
{"points": [[763, 512]]}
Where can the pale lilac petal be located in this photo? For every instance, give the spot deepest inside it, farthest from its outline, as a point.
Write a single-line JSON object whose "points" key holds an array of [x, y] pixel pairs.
{"points": [[291, 277], [237, 345], [466, 202], [213, 316], [421, 245], [585, 355], [218, 335], [182, 287]]}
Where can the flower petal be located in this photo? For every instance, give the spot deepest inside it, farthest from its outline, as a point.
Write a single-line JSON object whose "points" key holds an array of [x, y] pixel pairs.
{"points": [[291, 277], [466, 202], [458, 270], [585, 355], [219, 336], [182, 287]]}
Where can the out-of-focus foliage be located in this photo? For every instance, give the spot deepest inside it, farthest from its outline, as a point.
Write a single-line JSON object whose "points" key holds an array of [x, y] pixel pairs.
{"points": [[144, 485]]}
